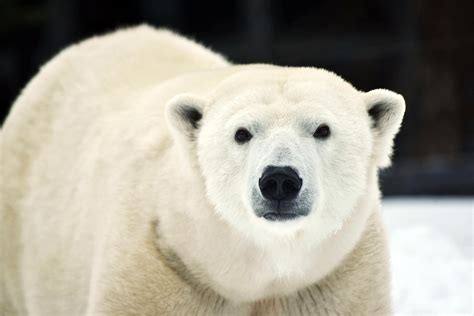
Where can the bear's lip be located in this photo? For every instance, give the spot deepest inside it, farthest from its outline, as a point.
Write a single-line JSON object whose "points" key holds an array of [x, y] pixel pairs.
{"points": [[280, 216]]}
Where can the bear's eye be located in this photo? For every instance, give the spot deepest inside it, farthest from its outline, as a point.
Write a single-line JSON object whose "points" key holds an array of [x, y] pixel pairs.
{"points": [[322, 132], [242, 135]]}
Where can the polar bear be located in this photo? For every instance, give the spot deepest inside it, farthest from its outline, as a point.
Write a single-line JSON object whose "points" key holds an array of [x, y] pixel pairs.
{"points": [[143, 174]]}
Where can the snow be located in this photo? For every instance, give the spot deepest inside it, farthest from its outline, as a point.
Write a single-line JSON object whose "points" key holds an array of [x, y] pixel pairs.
{"points": [[431, 242]]}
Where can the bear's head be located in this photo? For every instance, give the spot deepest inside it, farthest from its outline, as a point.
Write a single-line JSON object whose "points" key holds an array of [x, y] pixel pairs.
{"points": [[287, 154]]}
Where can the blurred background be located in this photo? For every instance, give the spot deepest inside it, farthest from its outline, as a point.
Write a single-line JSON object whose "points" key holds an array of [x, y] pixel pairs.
{"points": [[423, 49]]}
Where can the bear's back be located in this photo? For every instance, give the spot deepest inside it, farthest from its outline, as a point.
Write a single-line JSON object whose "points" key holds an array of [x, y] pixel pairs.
{"points": [[89, 80]]}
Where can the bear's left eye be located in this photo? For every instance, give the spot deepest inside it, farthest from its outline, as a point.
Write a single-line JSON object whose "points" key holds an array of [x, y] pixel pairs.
{"points": [[322, 132], [242, 135]]}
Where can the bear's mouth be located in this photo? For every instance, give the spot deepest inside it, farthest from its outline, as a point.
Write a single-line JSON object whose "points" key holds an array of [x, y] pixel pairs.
{"points": [[281, 210], [280, 216]]}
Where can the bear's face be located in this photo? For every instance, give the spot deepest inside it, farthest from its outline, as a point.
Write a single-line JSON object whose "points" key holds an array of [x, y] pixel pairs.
{"points": [[282, 156], [285, 153]]}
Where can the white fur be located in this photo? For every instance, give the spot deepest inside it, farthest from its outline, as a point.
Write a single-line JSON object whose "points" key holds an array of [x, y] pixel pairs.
{"points": [[98, 163]]}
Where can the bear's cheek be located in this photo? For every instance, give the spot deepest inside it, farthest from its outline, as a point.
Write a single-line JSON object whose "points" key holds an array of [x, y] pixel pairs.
{"points": [[340, 171], [224, 177]]}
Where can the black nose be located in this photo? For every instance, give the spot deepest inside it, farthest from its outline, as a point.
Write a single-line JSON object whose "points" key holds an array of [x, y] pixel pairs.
{"points": [[280, 183]]}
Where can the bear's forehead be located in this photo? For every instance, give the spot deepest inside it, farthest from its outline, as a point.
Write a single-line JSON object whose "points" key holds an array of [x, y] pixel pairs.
{"points": [[278, 105], [294, 85]]}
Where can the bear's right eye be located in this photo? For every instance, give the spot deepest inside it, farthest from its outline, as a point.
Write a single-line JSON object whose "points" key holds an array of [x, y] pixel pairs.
{"points": [[242, 135]]}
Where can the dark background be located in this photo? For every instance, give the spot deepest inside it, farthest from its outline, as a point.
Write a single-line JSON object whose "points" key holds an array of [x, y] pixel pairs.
{"points": [[423, 49]]}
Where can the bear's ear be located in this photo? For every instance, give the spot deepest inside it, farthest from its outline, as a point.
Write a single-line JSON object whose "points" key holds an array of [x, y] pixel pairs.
{"points": [[183, 114], [385, 109]]}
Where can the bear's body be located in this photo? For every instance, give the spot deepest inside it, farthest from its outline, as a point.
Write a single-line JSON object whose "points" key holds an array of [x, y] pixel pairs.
{"points": [[104, 210]]}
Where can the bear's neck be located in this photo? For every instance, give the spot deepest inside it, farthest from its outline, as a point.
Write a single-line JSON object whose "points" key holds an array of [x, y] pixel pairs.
{"points": [[358, 283]]}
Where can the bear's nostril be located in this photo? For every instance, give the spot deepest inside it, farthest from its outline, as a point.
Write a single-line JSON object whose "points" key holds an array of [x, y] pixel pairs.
{"points": [[269, 187], [289, 186], [280, 183]]}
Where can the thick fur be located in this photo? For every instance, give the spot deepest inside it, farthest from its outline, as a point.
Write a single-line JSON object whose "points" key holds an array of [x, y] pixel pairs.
{"points": [[123, 192]]}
